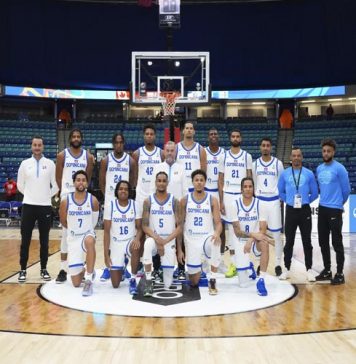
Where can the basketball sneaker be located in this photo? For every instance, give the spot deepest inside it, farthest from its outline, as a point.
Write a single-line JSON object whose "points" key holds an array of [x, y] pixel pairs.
{"points": [[133, 287], [278, 270], [212, 287], [325, 275], [140, 270], [338, 279], [310, 276], [285, 275], [45, 275], [22, 276], [231, 271], [261, 288], [253, 272], [175, 273], [105, 275], [62, 276], [148, 290], [181, 275], [88, 288]]}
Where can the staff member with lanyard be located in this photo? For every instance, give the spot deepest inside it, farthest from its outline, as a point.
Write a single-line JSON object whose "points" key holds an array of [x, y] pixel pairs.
{"points": [[36, 180], [298, 188]]}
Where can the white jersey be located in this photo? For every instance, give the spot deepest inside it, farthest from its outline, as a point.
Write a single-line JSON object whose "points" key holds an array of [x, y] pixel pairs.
{"points": [[190, 160], [146, 162], [199, 221], [71, 165], [212, 170], [79, 217], [235, 169], [116, 170], [248, 216], [162, 217], [123, 221], [266, 176], [176, 179]]}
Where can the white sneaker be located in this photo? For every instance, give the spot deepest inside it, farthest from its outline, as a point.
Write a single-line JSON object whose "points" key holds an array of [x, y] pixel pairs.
{"points": [[310, 276], [285, 275]]}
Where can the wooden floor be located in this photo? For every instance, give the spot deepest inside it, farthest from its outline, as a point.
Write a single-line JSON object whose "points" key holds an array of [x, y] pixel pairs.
{"points": [[317, 325]]}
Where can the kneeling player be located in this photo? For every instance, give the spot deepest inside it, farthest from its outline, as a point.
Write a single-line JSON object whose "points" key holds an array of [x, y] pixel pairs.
{"points": [[160, 223], [250, 230], [79, 213], [202, 228], [122, 234]]}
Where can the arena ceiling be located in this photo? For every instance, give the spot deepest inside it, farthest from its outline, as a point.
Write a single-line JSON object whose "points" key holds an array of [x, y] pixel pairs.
{"points": [[253, 45]]}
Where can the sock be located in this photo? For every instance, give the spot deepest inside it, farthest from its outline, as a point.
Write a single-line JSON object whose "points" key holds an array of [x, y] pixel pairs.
{"points": [[88, 276], [262, 274], [134, 275], [64, 265], [148, 276], [212, 274]]}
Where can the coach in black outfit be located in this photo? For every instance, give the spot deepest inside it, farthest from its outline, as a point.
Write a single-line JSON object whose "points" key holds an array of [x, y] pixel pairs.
{"points": [[36, 180], [298, 188]]}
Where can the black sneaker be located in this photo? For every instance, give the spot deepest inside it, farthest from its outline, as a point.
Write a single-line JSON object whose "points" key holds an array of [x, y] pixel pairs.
{"points": [[338, 279], [278, 270], [212, 287], [181, 275], [45, 275], [325, 275], [62, 276], [22, 276]]}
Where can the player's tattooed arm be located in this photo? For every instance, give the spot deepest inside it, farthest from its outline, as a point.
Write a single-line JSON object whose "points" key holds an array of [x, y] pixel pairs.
{"points": [[238, 232]]}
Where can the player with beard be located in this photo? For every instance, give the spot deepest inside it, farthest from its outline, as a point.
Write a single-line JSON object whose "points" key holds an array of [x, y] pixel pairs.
{"points": [[200, 217], [214, 154], [266, 172], [236, 165], [79, 213], [69, 161], [335, 189], [191, 156], [160, 223], [115, 167]]}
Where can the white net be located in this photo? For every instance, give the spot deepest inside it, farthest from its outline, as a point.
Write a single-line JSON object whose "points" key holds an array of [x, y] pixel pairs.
{"points": [[169, 102]]}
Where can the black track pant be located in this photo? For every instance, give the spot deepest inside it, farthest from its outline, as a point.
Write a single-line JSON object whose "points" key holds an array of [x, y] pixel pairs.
{"points": [[330, 220], [298, 218], [31, 214]]}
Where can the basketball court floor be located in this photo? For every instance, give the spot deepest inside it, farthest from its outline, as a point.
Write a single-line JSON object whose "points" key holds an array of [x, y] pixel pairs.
{"points": [[298, 322]]}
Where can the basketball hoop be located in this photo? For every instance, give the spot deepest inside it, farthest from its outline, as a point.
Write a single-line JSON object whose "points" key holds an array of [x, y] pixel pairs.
{"points": [[169, 102]]}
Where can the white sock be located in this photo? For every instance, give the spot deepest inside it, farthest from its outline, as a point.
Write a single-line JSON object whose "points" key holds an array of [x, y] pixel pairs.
{"points": [[262, 274], [133, 276], [64, 265], [88, 276], [148, 276], [212, 274]]}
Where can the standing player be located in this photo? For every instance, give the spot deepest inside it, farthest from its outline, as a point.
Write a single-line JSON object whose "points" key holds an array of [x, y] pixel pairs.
{"points": [[69, 161], [335, 189], [266, 171], [115, 167], [250, 229], [79, 213], [192, 156], [236, 165], [146, 157], [214, 154], [122, 234], [202, 228], [160, 222]]}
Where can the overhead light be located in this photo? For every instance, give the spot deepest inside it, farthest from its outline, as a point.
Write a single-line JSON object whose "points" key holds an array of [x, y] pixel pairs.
{"points": [[149, 63], [334, 99], [258, 103], [352, 98], [307, 101], [177, 63]]}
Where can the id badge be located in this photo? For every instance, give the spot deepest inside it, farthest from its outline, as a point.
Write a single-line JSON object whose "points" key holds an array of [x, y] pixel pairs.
{"points": [[297, 201]]}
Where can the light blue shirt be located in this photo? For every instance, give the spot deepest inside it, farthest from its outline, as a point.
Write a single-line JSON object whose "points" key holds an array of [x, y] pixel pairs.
{"points": [[334, 185], [307, 189]]}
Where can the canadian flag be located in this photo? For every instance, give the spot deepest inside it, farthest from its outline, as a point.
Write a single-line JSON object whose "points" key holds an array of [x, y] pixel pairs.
{"points": [[145, 3]]}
